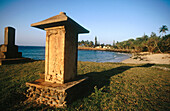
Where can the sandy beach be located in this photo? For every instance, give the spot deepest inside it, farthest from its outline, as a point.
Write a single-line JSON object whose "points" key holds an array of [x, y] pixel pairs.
{"points": [[149, 58], [141, 58]]}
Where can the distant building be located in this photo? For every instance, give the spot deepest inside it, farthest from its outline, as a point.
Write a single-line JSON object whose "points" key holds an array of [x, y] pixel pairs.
{"points": [[106, 47], [98, 47]]}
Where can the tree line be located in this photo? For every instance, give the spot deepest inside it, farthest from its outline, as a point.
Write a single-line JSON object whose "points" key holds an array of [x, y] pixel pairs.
{"points": [[152, 43]]}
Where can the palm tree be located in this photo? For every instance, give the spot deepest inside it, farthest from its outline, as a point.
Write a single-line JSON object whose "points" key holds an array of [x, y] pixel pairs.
{"points": [[163, 29]]}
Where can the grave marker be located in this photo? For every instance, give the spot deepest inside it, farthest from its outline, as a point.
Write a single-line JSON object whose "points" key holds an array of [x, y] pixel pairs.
{"points": [[9, 51], [60, 61]]}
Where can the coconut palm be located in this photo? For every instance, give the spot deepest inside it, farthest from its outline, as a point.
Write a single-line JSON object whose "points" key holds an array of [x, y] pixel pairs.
{"points": [[163, 29]]}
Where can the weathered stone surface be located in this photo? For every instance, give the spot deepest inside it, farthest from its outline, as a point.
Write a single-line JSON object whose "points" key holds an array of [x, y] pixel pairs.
{"points": [[60, 62], [53, 94], [54, 57]]}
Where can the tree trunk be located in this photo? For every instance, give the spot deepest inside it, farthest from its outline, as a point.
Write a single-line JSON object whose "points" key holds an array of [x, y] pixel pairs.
{"points": [[156, 43]]}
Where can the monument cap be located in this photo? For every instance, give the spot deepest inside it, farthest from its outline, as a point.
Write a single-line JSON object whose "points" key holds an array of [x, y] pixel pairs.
{"points": [[60, 20], [62, 13]]}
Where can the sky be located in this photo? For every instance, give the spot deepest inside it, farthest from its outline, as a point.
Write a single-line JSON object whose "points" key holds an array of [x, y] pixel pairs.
{"points": [[109, 20]]}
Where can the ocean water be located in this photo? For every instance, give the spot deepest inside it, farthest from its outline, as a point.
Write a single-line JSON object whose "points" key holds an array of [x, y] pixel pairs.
{"points": [[33, 52], [38, 53]]}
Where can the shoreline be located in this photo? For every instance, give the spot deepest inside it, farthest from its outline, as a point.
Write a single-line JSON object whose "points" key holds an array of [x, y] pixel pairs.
{"points": [[141, 58], [102, 49]]}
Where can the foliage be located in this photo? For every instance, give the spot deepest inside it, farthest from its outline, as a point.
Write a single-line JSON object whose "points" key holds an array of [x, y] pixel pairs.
{"points": [[153, 43], [163, 29], [111, 86], [164, 43], [86, 43]]}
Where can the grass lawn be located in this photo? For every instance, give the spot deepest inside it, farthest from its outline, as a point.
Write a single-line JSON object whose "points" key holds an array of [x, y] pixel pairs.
{"points": [[111, 86]]}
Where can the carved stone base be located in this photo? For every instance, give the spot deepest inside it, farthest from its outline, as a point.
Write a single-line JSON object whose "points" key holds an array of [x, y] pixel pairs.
{"points": [[53, 94]]}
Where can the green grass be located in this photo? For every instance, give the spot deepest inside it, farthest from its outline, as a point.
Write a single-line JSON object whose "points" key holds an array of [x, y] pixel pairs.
{"points": [[111, 86]]}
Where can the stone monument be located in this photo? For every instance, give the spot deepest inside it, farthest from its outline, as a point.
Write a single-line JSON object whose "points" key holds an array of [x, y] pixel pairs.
{"points": [[60, 62], [9, 51]]}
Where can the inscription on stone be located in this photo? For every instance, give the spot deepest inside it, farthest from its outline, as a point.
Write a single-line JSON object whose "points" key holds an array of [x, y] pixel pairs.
{"points": [[55, 50]]}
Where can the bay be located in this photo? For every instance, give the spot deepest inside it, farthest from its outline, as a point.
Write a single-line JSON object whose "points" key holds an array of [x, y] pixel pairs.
{"points": [[38, 53]]}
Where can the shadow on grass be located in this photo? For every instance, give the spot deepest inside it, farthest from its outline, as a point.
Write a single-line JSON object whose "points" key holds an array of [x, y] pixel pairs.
{"points": [[101, 79], [16, 61], [146, 65], [13, 99]]}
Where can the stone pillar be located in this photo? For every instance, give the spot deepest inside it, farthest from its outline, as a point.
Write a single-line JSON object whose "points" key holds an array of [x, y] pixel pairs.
{"points": [[9, 37], [61, 47], [58, 88]]}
